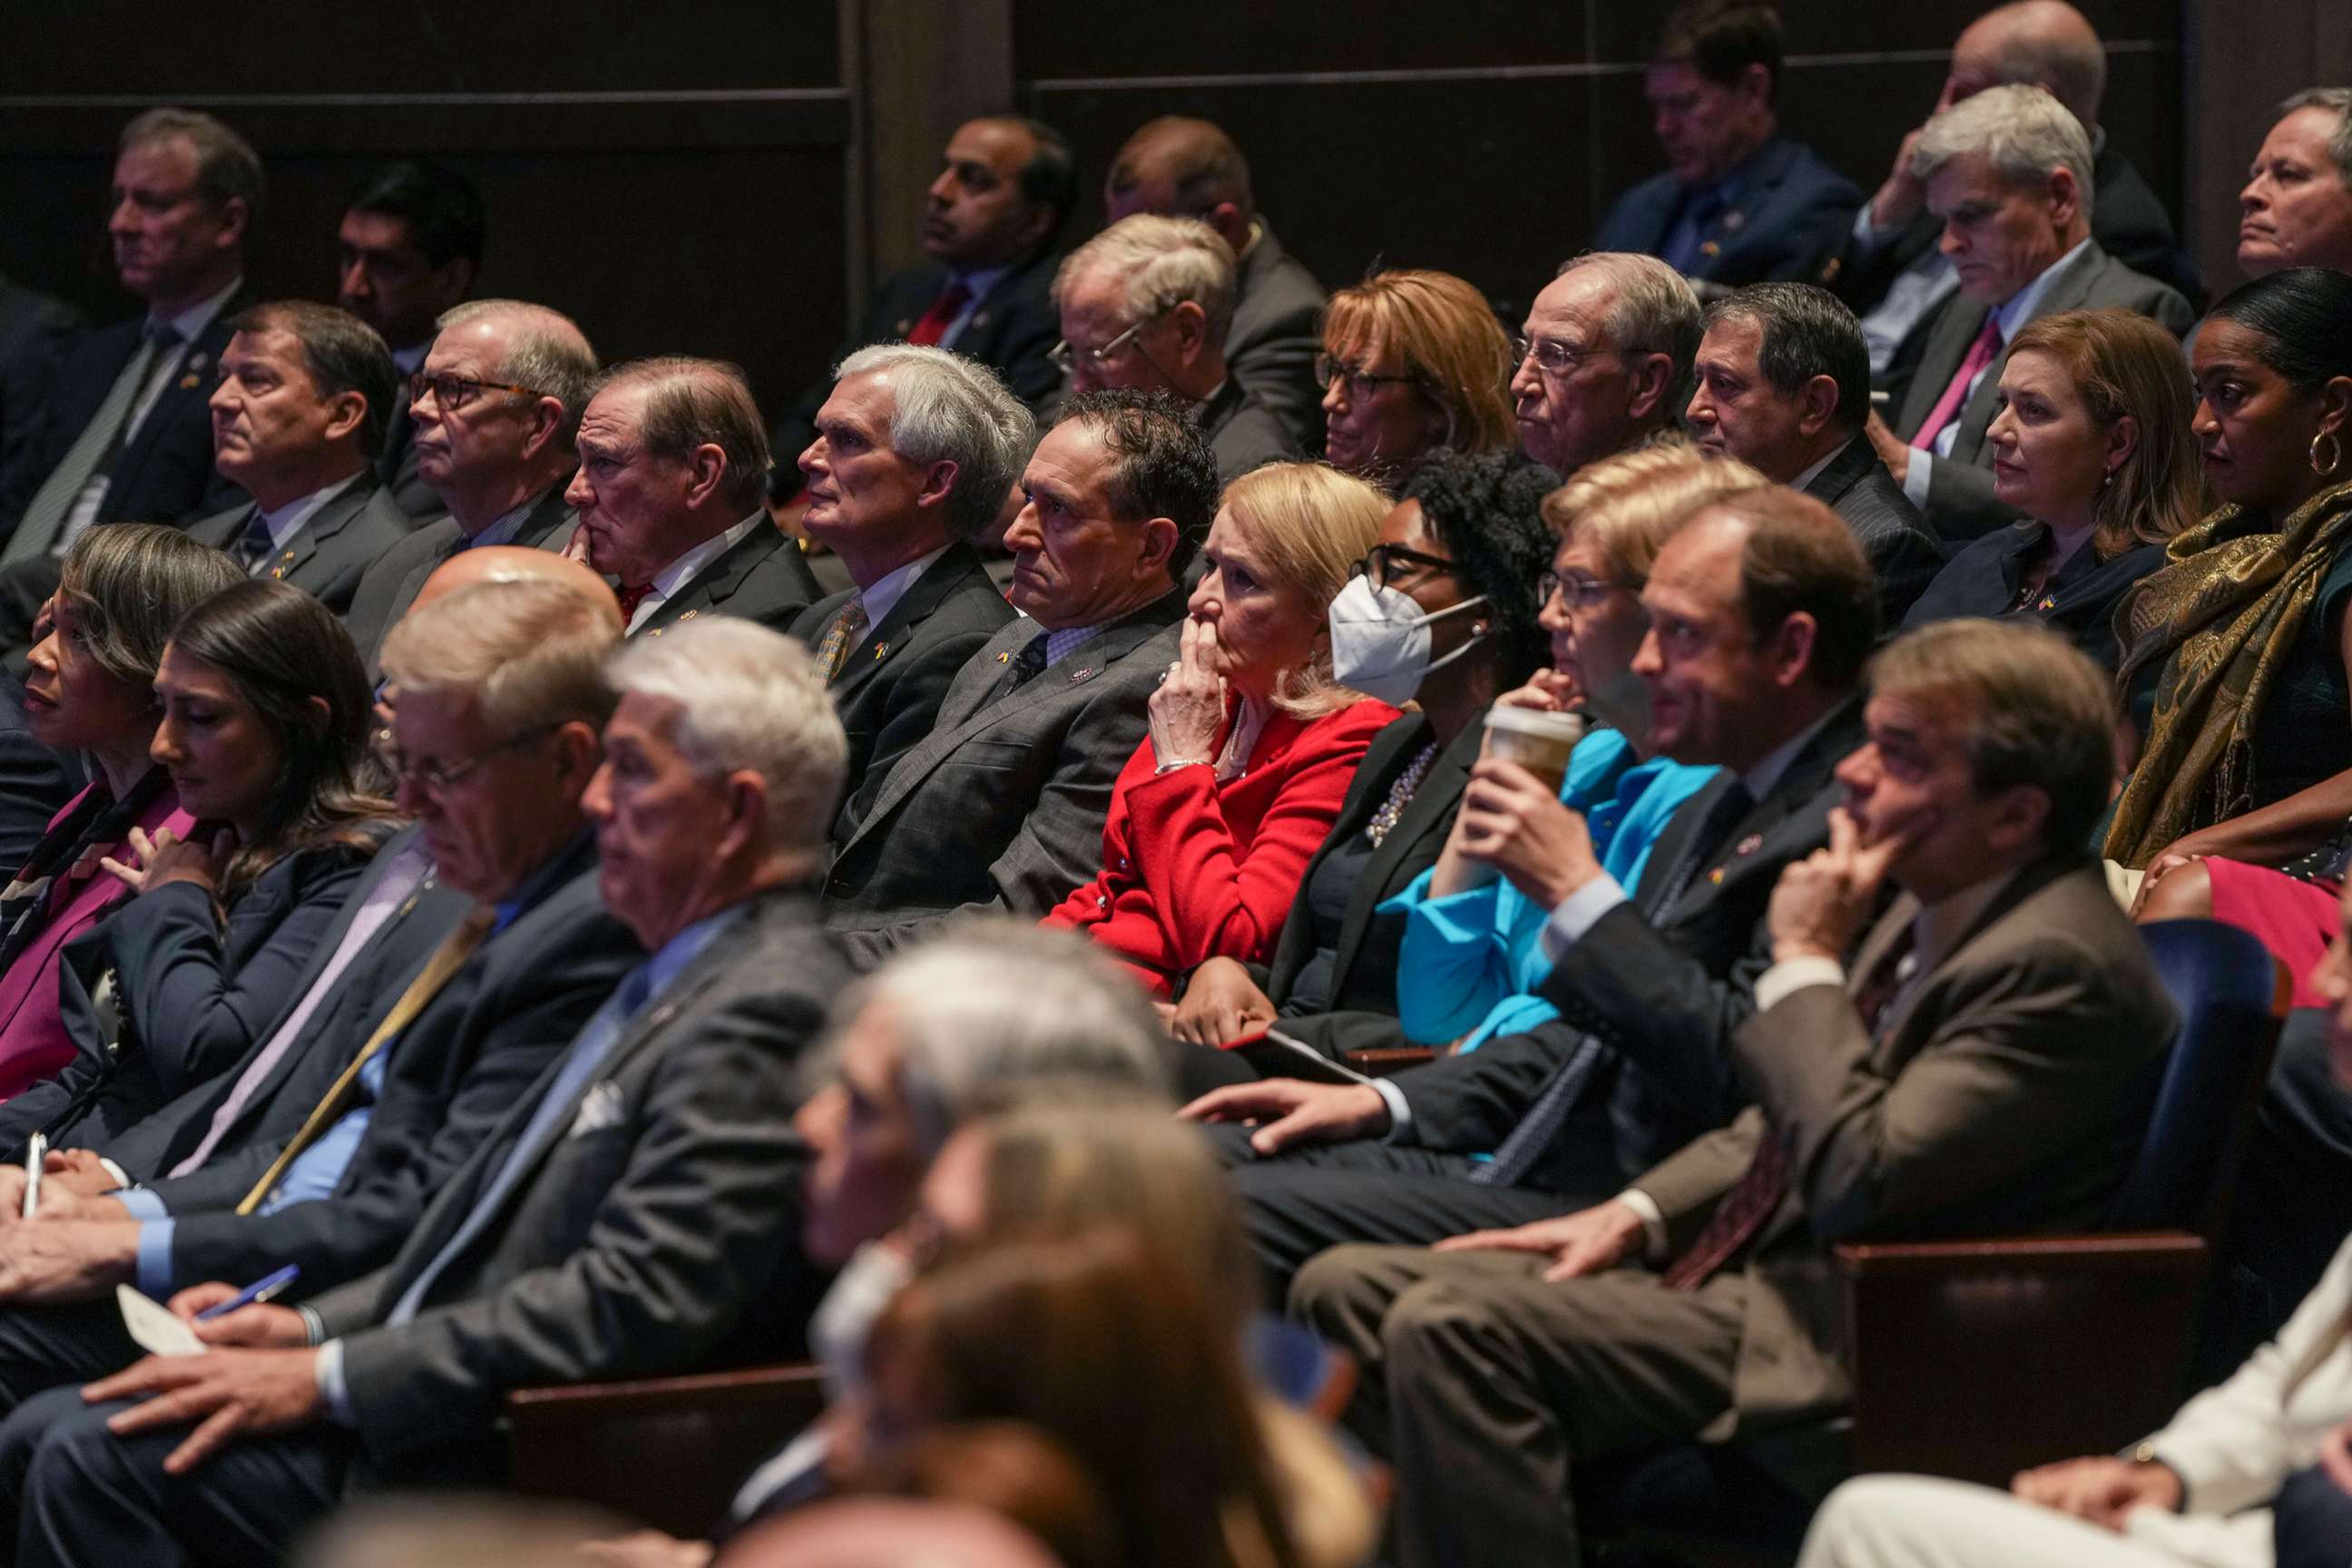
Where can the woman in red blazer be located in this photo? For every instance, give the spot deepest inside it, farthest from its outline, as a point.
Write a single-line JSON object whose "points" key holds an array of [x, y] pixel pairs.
{"points": [[1213, 819]]}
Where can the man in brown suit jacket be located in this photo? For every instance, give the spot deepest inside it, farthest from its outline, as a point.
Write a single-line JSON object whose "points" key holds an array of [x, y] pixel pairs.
{"points": [[1984, 1065]]}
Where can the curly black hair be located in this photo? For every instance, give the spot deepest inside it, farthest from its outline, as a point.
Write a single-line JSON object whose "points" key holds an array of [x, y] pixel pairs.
{"points": [[1487, 512]]}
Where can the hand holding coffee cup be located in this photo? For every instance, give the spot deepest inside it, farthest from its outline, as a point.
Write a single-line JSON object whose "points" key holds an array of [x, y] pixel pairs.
{"points": [[1539, 740]]}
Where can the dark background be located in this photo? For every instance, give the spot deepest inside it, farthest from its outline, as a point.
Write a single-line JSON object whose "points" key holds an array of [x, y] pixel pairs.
{"points": [[722, 178]]}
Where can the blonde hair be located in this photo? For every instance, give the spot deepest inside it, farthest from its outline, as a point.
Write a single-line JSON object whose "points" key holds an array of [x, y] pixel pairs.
{"points": [[1311, 523], [1631, 504], [2121, 362], [1444, 334], [526, 652]]}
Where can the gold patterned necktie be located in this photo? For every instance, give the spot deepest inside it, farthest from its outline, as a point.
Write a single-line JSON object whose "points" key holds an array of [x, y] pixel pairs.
{"points": [[848, 626]]}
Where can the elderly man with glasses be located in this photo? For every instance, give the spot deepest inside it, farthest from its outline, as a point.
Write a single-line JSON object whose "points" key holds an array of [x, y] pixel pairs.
{"points": [[1147, 305], [1604, 359]]}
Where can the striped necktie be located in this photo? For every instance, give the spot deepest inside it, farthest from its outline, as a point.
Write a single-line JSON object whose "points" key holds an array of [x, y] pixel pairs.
{"points": [[848, 626]]}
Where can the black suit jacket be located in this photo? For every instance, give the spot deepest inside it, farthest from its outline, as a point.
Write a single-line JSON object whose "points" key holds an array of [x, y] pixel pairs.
{"points": [[331, 553], [35, 333], [388, 587], [1791, 217], [2080, 601], [1363, 1001], [1904, 552], [165, 472], [1277, 330], [1011, 332], [1242, 432], [889, 688], [761, 577], [660, 1219], [1960, 500], [36, 781], [1001, 806], [1663, 995]]}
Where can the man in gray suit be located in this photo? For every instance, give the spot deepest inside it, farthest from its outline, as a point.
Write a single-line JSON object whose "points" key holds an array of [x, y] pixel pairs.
{"points": [[298, 419], [1189, 168], [1784, 386], [497, 408], [1001, 806], [2009, 175], [1148, 303], [1983, 1066], [627, 1215]]}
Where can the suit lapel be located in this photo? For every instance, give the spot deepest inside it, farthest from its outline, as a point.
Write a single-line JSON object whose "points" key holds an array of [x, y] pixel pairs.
{"points": [[1948, 344], [1430, 810], [1845, 472], [715, 583], [923, 596]]}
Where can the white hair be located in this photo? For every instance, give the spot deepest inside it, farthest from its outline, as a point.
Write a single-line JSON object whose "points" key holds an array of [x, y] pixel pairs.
{"points": [[749, 699], [1163, 262], [2021, 131], [945, 406]]}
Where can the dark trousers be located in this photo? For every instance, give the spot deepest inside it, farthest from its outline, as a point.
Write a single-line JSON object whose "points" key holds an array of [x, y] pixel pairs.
{"points": [[43, 1348]]}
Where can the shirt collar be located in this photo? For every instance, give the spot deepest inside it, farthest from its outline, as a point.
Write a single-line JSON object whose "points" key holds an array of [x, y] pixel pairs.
{"points": [[680, 571], [190, 324], [1761, 779], [687, 946], [882, 595], [509, 525], [1939, 928], [978, 284], [2021, 306], [1804, 479], [287, 519]]}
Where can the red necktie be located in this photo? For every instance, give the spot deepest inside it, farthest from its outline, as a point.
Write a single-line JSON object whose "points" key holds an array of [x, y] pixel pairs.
{"points": [[631, 596], [1947, 407], [933, 326]]}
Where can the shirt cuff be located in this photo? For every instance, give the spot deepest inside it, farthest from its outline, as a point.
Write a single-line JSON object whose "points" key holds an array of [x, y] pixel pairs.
{"points": [[328, 1369], [1915, 477], [141, 1204], [1794, 974], [156, 1257], [1399, 1110], [1578, 913], [1653, 1224], [121, 1177]]}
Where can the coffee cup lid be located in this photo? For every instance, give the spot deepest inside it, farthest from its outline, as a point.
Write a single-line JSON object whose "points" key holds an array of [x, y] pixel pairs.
{"points": [[1536, 722]]}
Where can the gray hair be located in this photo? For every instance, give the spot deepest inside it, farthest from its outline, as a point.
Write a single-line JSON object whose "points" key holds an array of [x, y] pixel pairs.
{"points": [[994, 1001], [750, 699], [945, 407], [227, 168], [1164, 262], [2336, 100], [2021, 131], [546, 351], [1655, 313], [528, 653]]}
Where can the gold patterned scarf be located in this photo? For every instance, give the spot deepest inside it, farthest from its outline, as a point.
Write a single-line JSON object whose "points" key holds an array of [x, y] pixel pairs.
{"points": [[2223, 616]]}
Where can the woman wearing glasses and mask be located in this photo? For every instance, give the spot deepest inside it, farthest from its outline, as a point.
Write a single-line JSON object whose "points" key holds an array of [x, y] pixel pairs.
{"points": [[1442, 614], [1413, 362]]}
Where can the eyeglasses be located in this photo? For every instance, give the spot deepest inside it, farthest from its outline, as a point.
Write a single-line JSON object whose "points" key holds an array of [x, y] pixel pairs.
{"points": [[1578, 593], [1360, 382], [1554, 356], [453, 392], [1384, 563], [1064, 357], [436, 779]]}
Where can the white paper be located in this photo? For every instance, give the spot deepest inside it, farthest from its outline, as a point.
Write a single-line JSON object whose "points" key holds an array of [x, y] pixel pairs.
{"points": [[154, 1327]]}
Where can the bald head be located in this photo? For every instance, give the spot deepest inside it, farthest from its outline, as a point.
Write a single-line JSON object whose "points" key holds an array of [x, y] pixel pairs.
{"points": [[2034, 43], [514, 563], [880, 1533], [1176, 167]]}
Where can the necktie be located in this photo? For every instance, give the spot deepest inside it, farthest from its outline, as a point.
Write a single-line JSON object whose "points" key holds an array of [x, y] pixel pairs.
{"points": [[255, 545], [933, 324], [1947, 407], [596, 1038], [1687, 245], [1025, 666], [446, 960], [848, 626], [1525, 1143], [631, 595], [93, 453]]}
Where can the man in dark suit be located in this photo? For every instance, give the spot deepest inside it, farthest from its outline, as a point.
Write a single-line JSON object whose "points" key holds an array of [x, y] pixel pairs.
{"points": [[1605, 359], [673, 473], [35, 332], [1001, 806], [1762, 610], [1784, 386], [1893, 274], [916, 455], [1147, 304], [2019, 232], [1985, 1065], [496, 412], [1189, 168], [1738, 203], [632, 1214], [411, 240], [471, 955], [300, 410], [1005, 186]]}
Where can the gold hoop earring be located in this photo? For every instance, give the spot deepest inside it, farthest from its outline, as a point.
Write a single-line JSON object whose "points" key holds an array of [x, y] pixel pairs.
{"points": [[2334, 454]]}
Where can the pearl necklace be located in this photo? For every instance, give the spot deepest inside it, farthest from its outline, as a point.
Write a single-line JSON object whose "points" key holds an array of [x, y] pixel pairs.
{"points": [[1384, 820]]}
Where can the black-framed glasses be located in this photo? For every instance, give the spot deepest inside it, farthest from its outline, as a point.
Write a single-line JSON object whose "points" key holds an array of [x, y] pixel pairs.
{"points": [[1360, 382], [1575, 591], [1065, 358], [453, 392], [1387, 563], [1553, 356], [436, 779]]}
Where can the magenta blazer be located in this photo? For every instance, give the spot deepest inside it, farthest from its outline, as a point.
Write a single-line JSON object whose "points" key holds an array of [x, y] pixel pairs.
{"points": [[33, 1039]]}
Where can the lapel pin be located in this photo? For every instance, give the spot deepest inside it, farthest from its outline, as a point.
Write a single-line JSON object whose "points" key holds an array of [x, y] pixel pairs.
{"points": [[188, 382], [2047, 604], [1749, 844], [979, 319], [906, 325], [1734, 221], [1714, 878], [880, 649], [1710, 248], [688, 615], [1004, 657], [278, 571], [196, 360], [1078, 675]]}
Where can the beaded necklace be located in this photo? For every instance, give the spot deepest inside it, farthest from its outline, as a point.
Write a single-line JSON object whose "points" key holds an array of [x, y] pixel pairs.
{"points": [[1384, 820]]}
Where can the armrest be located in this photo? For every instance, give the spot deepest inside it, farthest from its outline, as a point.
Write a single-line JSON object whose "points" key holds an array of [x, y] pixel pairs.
{"points": [[1389, 1060], [669, 1451], [2159, 1252]]}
